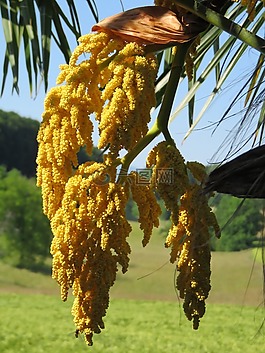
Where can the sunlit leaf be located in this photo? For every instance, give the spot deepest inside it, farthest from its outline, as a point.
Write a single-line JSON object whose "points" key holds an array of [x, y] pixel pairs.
{"points": [[10, 28], [30, 23], [93, 8], [28, 59], [5, 71], [255, 76], [261, 123], [62, 39], [46, 33], [197, 84], [216, 47], [191, 103], [20, 21], [221, 72]]}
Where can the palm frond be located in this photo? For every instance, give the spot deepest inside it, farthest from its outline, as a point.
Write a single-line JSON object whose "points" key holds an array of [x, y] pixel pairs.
{"points": [[11, 33], [31, 40], [227, 51], [260, 129], [36, 23], [208, 39], [227, 70], [257, 72]]}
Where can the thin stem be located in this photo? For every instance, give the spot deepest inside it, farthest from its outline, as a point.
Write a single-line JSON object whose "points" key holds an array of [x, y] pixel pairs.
{"points": [[148, 138], [224, 23], [161, 123], [172, 85]]}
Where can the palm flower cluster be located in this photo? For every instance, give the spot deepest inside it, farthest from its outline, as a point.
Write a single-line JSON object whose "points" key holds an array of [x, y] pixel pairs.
{"points": [[191, 221], [86, 206], [109, 83], [189, 240]]}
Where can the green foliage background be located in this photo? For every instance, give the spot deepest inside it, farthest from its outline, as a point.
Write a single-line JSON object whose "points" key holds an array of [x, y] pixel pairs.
{"points": [[18, 145], [241, 222], [25, 234]]}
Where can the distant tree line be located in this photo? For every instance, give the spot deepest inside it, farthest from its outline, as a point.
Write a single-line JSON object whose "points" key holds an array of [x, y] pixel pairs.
{"points": [[18, 145], [25, 233]]}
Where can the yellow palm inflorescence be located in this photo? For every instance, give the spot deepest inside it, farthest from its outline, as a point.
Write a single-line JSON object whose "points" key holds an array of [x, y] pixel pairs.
{"points": [[179, 184], [86, 206], [189, 240], [169, 175], [129, 94], [149, 210], [111, 83]]}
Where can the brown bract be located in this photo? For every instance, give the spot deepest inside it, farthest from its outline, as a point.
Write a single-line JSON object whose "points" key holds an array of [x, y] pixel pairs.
{"points": [[152, 25]]}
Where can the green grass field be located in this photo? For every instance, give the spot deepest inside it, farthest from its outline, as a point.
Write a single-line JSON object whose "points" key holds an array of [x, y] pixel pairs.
{"points": [[41, 323], [144, 315]]}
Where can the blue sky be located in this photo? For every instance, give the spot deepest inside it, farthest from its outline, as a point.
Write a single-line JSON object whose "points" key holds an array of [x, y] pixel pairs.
{"points": [[202, 145]]}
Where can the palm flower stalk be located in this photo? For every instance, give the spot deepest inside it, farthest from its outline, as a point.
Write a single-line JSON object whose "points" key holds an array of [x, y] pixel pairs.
{"points": [[217, 19]]}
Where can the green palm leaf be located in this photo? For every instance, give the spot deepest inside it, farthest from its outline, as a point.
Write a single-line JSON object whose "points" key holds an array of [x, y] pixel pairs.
{"points": [[222, 62], [230, 65], [11, 33], [20, 21]]}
